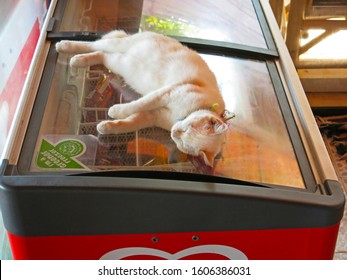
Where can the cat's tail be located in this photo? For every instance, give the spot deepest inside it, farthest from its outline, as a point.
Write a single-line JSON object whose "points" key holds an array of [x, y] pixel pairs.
{"points": [[115, 34]]}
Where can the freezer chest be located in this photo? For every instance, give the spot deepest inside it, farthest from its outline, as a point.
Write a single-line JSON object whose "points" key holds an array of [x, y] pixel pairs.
{"points": [[69, 193]]}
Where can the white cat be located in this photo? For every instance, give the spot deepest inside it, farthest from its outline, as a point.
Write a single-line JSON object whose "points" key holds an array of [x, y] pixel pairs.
{"points": [[178, 89]]}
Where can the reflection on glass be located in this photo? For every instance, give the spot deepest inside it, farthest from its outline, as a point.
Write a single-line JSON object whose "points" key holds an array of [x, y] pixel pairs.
{"points": [[257, 146], [232, 21], [101, 15]]}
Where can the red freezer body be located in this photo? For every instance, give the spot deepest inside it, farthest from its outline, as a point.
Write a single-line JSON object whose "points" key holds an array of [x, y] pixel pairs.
{"points": [[306, 243], [151, 218]]}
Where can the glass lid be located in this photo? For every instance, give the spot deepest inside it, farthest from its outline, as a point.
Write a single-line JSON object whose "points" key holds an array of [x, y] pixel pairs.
{"points": [[257, 146], [211, 20]]}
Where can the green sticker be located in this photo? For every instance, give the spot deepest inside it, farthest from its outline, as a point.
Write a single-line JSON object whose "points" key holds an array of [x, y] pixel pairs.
{"points": [[61, 155]]}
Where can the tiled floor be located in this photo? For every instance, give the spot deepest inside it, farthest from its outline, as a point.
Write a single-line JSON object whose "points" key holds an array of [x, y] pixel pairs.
{"points": [[5, 252], [341, 246]]}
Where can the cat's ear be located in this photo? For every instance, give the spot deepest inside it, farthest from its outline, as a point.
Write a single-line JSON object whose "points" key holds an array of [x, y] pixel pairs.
{"points": [[219, 126], [208, 157]]}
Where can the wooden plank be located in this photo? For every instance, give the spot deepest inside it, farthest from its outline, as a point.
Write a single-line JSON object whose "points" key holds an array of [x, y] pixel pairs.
{"points": [[277, 8], [296, 16], [330, 73], [323, 80], [324, 24], [327, 99], [321, 64], [326, 12]]}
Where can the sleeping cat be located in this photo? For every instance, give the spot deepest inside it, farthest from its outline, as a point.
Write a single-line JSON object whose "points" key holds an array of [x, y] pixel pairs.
{"points": [[179, 91]]}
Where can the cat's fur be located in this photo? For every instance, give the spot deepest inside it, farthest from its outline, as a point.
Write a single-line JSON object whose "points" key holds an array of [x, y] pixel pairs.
{"points": [[176, 85]]}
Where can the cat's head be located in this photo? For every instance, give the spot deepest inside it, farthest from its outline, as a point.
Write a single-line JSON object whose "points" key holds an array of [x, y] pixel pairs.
{"points": [[202, 133]]}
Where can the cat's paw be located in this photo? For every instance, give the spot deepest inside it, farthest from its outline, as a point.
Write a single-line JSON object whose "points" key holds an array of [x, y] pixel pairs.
{"points": [[112, 127], [87, 59], [63, 46], [78, 60], [119, 111], [105, 127]]}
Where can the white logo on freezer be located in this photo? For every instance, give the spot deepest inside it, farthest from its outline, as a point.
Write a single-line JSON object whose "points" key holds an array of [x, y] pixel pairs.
{"points": [[226, 251]]}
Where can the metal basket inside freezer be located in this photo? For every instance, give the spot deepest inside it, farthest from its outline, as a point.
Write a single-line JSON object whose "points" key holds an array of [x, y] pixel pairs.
{"points": [[149, 148]]}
